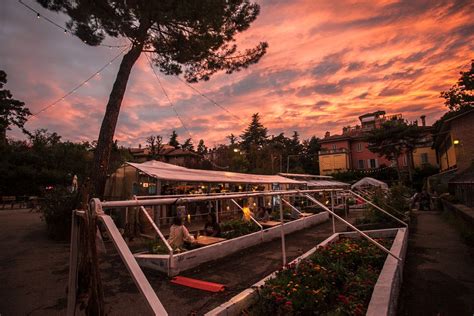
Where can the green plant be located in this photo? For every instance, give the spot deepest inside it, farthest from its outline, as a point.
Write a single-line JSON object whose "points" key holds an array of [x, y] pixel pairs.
{"points": [[236, 228], [337, 279], [56, 207], [157, 246]]}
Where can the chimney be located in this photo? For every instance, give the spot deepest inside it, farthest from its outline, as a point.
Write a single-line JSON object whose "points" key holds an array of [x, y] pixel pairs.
{"points": [[327, 134], [423, 120], [139, 146]]}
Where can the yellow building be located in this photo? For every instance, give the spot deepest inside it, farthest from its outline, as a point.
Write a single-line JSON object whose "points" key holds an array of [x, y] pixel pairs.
{"points": [[333, 162], [423, 156]]}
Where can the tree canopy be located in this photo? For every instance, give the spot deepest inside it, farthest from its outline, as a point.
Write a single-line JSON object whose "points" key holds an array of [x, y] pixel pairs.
{"points": [[392, 139], [461, 95], [12, 111], [174, 140], [193, 38]]}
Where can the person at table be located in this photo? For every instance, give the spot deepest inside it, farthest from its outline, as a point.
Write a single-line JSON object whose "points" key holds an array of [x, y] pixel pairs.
{"points": [[212, 228], [262, 214], [179, 234]]}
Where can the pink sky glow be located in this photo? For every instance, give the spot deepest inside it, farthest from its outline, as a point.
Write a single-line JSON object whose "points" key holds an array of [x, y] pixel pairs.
{"points": [[327, 63]]}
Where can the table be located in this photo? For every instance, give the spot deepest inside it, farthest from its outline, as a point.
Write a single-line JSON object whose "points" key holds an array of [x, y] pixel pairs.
{"points": [[269, 223], [208, 240]]}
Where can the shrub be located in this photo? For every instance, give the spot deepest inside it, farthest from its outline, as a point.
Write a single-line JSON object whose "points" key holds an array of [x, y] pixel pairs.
{"points": [[236, 228], [157, 246], [56, 207]]}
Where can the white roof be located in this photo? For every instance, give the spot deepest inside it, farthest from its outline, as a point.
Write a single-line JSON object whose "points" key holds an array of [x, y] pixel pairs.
{"points": [[326, 184], [165, 171], [367, 181], [304, 175]]}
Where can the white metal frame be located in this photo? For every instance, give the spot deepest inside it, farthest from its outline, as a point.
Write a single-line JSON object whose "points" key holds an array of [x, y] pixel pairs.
{"points": [[126, 255], [353, 227]]}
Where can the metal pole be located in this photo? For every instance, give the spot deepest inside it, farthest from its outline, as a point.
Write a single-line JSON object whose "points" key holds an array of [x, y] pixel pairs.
{"points": [[288, 164], [380, 209], [283, 250], [332, 209], [353, 227]]}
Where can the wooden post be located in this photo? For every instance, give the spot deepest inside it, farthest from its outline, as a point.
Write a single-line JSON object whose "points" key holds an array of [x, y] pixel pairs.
{"points": [[73, 261]]}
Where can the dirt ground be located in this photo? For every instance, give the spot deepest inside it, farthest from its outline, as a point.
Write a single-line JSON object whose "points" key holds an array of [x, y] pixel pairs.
{"points": [[34, 272], [438, 278]]}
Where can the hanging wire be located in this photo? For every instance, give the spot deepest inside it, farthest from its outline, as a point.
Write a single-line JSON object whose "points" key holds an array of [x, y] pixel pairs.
{"points": [[177, 115], [166, 94], [65, 30], [209, 99], [79, 85]]}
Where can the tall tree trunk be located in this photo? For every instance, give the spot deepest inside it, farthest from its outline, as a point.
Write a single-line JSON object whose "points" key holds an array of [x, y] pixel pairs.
{"points": [[107, 130], [410, 165], [90, 285]]}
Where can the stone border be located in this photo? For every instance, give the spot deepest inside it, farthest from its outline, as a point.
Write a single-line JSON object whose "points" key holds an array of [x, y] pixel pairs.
{"points": [[386, 290], [193, 258]]}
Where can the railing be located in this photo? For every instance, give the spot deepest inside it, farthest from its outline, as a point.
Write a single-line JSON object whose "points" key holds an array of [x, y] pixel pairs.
{"points": [[152, 300], [251, 217], [353, 227], [379, 208], [158, 231], [333, 151]]}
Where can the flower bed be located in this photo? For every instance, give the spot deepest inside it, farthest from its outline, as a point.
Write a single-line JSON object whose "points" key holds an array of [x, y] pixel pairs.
{"points": [[337, 279]]}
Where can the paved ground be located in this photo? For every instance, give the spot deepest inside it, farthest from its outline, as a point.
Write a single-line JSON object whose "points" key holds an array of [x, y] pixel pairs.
{"points": [[33, 272], [439, 271]]}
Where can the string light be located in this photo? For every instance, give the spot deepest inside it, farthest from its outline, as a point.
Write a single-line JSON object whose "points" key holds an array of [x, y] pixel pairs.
{"points": [[73, 90], [66, 31]]}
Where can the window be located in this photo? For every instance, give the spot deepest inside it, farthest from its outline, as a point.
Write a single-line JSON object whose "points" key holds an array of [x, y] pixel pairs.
{"points": [[359, 147], [373, 163], [424, 158], [334, 147], [361, 164]]}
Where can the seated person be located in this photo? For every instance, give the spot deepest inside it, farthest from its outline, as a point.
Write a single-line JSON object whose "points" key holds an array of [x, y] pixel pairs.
{"points": [[212, 228], [262, 214], [179, 234]]}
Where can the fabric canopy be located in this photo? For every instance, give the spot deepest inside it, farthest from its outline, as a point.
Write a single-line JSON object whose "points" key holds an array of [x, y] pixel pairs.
{"points": [[326, 184], [367, 181], [169, 172]]}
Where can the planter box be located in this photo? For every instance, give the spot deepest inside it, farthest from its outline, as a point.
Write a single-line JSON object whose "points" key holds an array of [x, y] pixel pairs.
{"points": [[384, 297], [192, 258]]}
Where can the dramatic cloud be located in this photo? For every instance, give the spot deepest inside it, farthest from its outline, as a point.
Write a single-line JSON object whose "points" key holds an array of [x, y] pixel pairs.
{"points": [[328, 62]]}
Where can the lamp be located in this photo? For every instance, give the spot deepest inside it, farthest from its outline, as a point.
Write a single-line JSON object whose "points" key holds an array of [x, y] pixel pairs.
{"points": [[456, 142]]}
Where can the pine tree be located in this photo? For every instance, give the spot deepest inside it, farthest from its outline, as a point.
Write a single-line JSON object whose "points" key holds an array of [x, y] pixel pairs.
{"points": [[195, 38], [255, 135], [174, 140], [201, 148], [188, 145]]}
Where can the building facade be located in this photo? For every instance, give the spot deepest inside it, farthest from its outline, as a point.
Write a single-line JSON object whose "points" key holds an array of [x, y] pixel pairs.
{"points": [[349, 150], [454, 142]]}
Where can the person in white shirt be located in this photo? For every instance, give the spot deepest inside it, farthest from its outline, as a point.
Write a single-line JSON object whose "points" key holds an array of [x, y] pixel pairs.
{"points": [[179, 234]]}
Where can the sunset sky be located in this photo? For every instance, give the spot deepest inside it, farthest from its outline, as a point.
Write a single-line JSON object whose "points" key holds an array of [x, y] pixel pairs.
{"points": [[327, 63]]}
